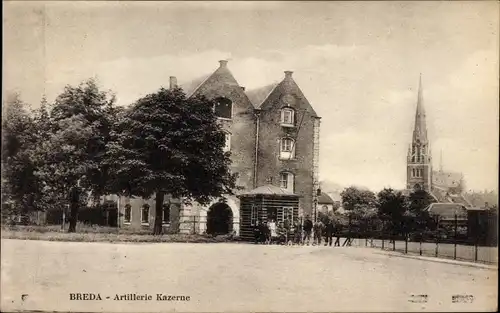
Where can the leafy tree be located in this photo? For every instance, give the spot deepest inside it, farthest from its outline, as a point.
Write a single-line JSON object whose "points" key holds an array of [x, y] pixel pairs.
{"points": [[418, 217], [392, 206], [73, 143], [19, 184], [169, 144], [360, 206], [94, 110]]}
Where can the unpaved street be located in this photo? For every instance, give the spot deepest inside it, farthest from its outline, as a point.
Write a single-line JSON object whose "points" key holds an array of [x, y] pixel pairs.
{"points": [[233, 277]]}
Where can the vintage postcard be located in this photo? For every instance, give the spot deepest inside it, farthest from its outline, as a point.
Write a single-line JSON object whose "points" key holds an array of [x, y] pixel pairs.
{"points": [[289, 156]]}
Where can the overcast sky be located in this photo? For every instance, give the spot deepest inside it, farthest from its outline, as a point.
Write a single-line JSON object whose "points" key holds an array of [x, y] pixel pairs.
{"points": [[358, 63]]}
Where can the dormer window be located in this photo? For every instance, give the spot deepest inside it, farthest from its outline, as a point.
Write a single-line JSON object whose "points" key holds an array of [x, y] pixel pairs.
{"points": [[287, 117], [223, 108], [287, 148]]}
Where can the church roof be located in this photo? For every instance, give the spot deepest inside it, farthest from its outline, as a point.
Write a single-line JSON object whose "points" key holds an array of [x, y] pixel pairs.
{"points": [[446, 179]]}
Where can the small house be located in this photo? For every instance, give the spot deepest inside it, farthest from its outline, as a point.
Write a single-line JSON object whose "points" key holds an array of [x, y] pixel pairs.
{"points": [[266, 203]]}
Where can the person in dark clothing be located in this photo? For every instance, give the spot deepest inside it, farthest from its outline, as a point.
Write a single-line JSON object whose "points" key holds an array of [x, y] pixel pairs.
{"points": [[329, 230], [263, 232], [308, 225], [297, 232], [288, 227], [256, 232], [338, 228]]}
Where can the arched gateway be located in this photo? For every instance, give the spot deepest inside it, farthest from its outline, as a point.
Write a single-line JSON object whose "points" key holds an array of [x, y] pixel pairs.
{"points": [[219, 219]]}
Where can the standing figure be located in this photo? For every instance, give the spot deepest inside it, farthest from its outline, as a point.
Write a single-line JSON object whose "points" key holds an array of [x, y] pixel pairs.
{"points": [[297, 232], [256, 232], [287, 225], [329, 230], [263, 232], [338, 228], [272, 231], [308, 225], [316, 233]]}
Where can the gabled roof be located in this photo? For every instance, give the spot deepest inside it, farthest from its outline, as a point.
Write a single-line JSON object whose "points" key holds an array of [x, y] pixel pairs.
{"points": [[191, 86], [324, 199], [447, 210], [258, 95], [269, 190]]}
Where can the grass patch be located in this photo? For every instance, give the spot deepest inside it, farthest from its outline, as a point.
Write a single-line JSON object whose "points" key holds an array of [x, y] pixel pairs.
{"points": [[88, 233]]}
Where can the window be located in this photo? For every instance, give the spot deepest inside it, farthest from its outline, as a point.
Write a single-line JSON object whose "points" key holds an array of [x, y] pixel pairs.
{"points": [[128, 214], [145, 214], [227, 145], [223, 108], [287, 117], [166, 214], [288, 213], [287, 148], [254, 215], [287, 181]]}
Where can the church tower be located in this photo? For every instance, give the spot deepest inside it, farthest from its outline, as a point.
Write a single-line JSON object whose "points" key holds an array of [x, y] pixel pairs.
{"points": [[419, 161]]}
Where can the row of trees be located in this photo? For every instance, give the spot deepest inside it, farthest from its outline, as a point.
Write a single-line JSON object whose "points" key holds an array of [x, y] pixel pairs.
{"points": [[389, 211], [164, 143]]}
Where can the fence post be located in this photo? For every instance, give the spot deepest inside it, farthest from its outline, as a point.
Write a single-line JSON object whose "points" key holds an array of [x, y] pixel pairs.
{"points": [[455, 240], [475, 251], [194, 224], [421, 238], [406, 243], [382, 233], [393, 242], [437, 237]]}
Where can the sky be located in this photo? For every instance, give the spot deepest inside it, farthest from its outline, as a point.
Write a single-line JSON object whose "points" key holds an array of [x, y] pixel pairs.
{"points": [[358, 63]]}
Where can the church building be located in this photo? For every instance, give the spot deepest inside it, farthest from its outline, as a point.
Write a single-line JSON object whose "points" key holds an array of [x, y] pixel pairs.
{"points": [[443, 186], [273, 136]]}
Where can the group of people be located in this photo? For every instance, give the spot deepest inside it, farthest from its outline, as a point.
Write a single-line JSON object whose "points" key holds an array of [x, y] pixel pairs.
{"points": [[296, 233]]}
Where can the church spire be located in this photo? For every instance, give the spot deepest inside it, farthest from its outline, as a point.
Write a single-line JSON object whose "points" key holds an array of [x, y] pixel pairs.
{"points": [[420, 130]]}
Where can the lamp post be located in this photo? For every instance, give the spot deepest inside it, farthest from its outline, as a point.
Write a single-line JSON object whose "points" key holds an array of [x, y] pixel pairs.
{"points": [[318, 193]]}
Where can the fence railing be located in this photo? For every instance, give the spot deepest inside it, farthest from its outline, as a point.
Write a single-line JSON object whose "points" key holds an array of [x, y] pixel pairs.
{"points": [[454, 250]]}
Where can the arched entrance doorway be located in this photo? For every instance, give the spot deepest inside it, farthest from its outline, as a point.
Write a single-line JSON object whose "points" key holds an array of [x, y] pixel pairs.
{"points": [[219, 219]]}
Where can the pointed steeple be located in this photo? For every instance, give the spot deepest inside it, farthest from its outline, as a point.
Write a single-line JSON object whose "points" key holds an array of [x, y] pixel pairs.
{"points": [[420, 129]]}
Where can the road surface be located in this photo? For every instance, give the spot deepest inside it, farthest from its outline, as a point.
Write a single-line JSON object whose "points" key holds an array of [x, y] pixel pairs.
{"points": [[40, 275]]}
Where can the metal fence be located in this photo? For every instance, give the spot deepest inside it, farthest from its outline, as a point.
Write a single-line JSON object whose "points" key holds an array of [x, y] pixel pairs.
{"points": [[475, 253]]}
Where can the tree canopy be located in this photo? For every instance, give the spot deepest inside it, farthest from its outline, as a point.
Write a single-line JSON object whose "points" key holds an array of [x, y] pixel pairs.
{"points": [[166, 143]]}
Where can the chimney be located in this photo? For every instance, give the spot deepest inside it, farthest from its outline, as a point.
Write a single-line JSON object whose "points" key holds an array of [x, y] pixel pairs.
{"points": [[223, 63], [288, 74], [173, 82]]}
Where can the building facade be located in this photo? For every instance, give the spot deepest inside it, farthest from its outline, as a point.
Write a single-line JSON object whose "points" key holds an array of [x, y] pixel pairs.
{"points": [[273, 136]]}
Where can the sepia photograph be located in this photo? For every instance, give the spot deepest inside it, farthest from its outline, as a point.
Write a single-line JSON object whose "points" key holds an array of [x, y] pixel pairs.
{"points": [[250, 156]]}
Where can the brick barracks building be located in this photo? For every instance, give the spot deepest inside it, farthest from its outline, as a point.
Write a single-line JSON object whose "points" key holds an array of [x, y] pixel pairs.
{"points": [[273, 136]]}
